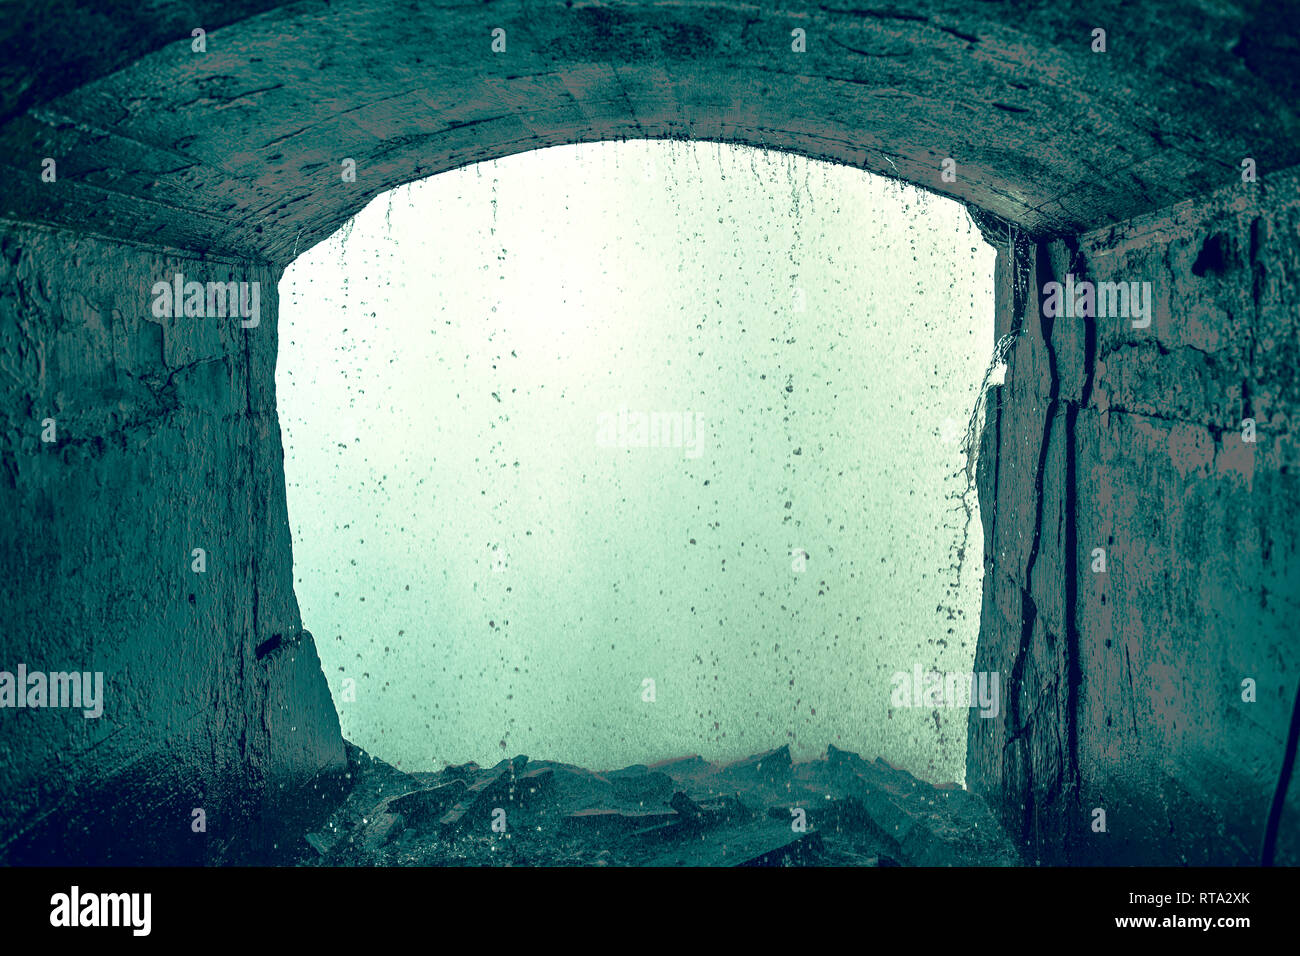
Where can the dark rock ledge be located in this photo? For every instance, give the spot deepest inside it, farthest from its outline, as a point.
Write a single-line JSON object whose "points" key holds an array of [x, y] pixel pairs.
{"points": [[685, 812]]}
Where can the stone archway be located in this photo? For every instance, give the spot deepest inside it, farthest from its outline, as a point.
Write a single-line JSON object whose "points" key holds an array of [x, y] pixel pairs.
{"points": [[222, 159]]}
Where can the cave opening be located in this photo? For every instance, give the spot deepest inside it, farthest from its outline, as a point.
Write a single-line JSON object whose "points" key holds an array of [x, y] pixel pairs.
{"points": [[614, 453]]}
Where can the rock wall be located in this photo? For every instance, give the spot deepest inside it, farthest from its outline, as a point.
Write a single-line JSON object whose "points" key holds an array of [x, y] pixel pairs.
{"points": [[165, 441], [1125, 687], [238, 148]]}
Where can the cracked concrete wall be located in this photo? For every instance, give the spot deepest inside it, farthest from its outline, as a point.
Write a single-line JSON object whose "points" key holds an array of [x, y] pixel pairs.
{"points": [[1125, 689], [166, 440]]}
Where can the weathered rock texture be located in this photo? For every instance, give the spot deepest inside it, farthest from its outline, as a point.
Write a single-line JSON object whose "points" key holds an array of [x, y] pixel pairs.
{"points": [[167, 441], [1125, 689], [227, 164], [765, 810], [238, 150]]}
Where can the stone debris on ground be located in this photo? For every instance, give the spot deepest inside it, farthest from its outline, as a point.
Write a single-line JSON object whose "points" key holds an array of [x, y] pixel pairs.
{"points": [[764, 810]]}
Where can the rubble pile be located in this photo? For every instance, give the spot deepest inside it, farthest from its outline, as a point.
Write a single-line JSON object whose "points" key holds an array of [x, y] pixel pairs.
{"points": [[765, 810]]}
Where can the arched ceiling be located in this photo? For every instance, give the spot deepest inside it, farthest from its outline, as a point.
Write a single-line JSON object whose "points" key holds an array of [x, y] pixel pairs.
{"points": [[237, 151]]}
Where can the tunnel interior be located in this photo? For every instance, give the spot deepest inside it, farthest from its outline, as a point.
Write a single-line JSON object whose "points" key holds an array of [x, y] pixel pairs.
{"points": [[1136, 177]]}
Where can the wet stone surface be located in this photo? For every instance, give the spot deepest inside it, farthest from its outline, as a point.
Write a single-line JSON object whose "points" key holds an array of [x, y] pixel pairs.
{"points": [[761, 811]]}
